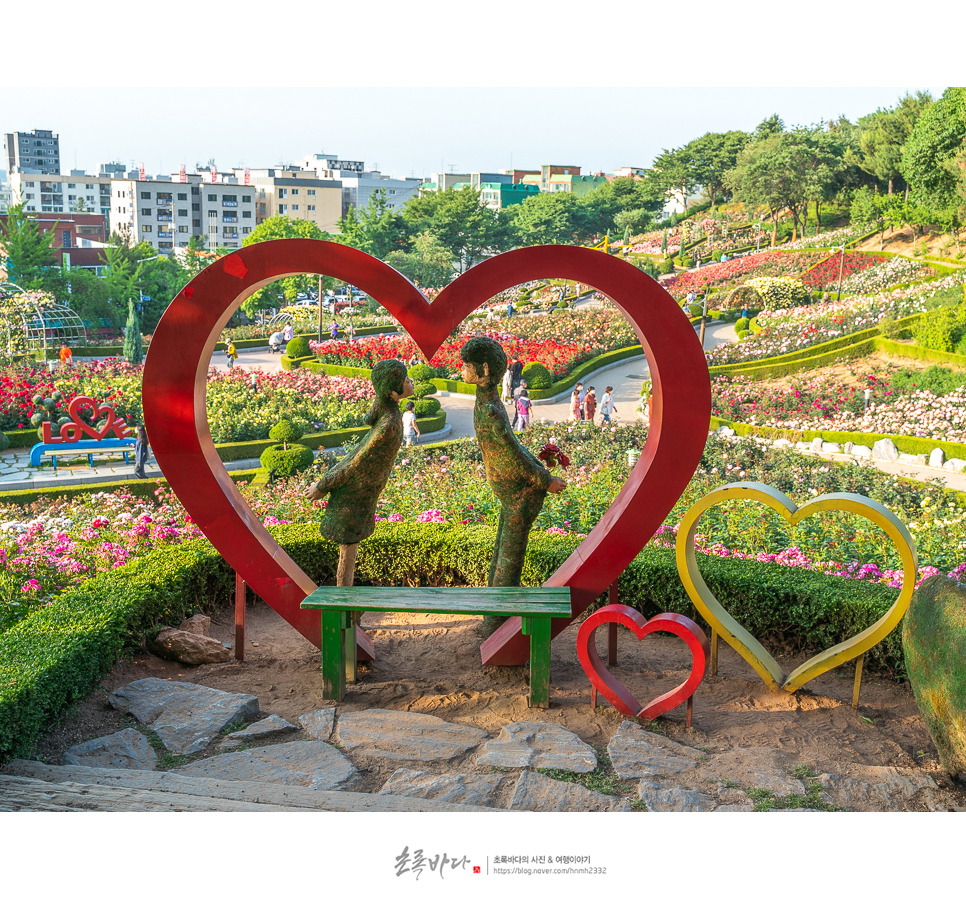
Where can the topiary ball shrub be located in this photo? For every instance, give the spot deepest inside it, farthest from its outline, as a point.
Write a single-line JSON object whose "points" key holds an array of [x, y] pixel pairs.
{"points": [[284, 462], [666, 267], [742, 324], [424, 389], [286, 431], [298, 347], [716, 255], [537, 376], [426, 407], [422, 372]]}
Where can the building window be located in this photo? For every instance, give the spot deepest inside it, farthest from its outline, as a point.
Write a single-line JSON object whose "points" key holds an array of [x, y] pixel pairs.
{"points": [[212, 213], [212, 197], [246, 198], [282, 208], [295, 207], [246, 213], [246, 231], [182, 212], [311, 207], [282, 192], [146, 228], [182, 196], [145, 212], [195, 207], [196, 222], [71, 185], [146, 195], [183, 229], [311, 193], [65, 239]]}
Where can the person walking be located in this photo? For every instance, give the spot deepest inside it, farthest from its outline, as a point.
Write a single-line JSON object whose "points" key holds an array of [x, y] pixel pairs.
{"points": [[232, 354], [140, 451], [576, 409], [590, 405], [607, 406], [507, 385], [523, 410], [66, 356]]}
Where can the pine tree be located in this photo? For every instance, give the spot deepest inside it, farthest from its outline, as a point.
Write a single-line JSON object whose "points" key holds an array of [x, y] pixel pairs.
{"points": [[133, 347]]}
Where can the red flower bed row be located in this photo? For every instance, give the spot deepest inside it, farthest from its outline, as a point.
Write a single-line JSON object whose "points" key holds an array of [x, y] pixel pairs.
{"points": [[825, 275], [559, 357]]}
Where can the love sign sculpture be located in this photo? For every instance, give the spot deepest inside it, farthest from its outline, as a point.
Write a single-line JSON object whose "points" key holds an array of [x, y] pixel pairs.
{"points": [[174, 405], [71, 432]]}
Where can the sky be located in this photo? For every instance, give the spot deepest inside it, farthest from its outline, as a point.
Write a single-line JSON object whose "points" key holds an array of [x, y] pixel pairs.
{"points": [[413, 131]]}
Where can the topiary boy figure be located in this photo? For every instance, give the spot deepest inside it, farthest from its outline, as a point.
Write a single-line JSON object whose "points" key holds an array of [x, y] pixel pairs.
{"points": [[355, 482], [519, 480]]}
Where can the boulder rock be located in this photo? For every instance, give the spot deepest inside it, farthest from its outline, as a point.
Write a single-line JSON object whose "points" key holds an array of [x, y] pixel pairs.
{"points": [[916, 459], [955, 464], [937, 457], [782, 443], [658, 797], [187, 717], [124, 750], [187, 647], [848, 447], [817, 445], [934, 642], [541, 745], [319, 724], [803, 445], [860, 450], [885, 450], [198, 624], [464, 789], [269, 727], [831, 447]]}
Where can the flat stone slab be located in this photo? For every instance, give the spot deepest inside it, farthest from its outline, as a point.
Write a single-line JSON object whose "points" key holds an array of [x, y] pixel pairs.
{"points": [[319, 724], [295, 763], [271, 727], [187, 717], [540, 745], [637, 753], [875, 788], [860, 450], [536, 792], [124, 750], [407, 736], [658, 797], [461, 788], [756, 768]]}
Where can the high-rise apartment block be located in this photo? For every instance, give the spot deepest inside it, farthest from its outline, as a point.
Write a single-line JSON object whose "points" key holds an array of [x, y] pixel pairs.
{"points": [[35, 151], [296, 193]]}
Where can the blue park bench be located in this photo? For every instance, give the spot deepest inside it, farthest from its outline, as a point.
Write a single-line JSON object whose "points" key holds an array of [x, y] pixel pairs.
{"points": [[90, 447]]}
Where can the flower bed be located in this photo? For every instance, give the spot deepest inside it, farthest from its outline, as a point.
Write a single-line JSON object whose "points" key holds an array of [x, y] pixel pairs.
{"points": [[885, 274], [825, 275], [736, 270]]}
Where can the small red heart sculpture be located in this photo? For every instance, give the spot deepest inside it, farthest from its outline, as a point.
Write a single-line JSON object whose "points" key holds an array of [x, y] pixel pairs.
{"points": [[174, 405], [612, 689]]}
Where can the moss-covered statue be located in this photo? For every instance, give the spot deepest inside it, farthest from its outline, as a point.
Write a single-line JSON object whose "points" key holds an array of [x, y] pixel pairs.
{"points": [[355, 482], [519, 480]]}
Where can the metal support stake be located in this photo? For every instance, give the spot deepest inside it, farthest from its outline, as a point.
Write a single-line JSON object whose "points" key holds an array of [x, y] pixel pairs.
{"points": [[858, 680], [612, 598], [239, 618], [714, 653]]}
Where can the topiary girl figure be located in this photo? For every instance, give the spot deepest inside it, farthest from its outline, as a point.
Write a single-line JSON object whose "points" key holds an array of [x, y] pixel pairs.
{"points": [[355, 482]]}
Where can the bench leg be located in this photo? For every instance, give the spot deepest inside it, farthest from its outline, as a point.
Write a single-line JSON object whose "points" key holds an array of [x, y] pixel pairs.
{"points": [[333, 655], [352, 617], [539, 630]]}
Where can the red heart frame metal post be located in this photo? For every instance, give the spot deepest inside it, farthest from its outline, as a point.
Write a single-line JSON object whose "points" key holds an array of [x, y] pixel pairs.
{"points": [[176, 369]]}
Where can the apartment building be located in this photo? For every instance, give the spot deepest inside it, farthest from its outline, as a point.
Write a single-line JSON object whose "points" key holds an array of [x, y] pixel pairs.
{"points": [[296, 193], [62, 194], [36, 151]]}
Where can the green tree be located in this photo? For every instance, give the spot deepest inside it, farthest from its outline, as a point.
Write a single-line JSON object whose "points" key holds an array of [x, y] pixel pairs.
{"points": [[710, 156], [377, 228], [674, 175], [882, 136], [935, 151], [466, 226], [280, 294], [545, 218], [623, 203], [133, 344], [28, 253], [430, 262]]}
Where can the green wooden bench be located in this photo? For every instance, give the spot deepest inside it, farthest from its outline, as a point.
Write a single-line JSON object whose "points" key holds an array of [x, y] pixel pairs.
{"points": [[341, 609]]}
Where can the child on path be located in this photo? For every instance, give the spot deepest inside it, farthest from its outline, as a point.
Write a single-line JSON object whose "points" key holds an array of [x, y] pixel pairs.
{"points": [[523, 410], [409, 424]]}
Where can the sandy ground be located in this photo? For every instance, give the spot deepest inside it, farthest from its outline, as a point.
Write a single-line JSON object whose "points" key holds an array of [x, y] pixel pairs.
{"points": [[431, 664]]}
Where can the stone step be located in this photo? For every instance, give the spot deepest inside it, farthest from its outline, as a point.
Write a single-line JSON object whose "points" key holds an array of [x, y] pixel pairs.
{"points": [[32, 786]]}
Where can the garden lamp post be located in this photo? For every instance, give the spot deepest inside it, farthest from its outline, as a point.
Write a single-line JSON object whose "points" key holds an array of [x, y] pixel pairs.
{"points": [[704, 315], [838, 296], [41, 312], [758, 237]]}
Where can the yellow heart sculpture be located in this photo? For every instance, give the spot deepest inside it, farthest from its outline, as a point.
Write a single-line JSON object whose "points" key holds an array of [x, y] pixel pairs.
{"points": [[742, 641]]}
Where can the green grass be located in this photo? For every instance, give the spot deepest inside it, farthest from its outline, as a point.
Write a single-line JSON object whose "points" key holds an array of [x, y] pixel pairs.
{"points": [[768, 801], [602, 779]]}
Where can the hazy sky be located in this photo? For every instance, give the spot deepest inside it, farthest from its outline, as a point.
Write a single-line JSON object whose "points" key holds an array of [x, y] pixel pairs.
{"points": [[410, 131]]}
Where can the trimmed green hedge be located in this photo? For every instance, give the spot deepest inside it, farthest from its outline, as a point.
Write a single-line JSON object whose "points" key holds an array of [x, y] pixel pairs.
{"points": [[905, 443], [59, 654]]}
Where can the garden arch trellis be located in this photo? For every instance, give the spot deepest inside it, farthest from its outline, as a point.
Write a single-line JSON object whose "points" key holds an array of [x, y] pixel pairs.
{"points": [[32, 320]]}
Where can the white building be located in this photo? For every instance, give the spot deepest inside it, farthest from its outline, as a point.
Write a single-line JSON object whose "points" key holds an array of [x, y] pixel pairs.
{"points": [[62, 194]]}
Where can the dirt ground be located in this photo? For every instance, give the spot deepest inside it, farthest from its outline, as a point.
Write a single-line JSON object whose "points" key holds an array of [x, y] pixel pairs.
{"points": [[900, 241], [431, 664]]}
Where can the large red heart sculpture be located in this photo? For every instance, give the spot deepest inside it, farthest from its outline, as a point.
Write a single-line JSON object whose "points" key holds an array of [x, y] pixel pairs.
{"points": [[174, 405], [612, 689]]}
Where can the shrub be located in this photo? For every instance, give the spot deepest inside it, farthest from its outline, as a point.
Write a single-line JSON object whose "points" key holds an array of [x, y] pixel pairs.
{"points": [[666, 267], [742, 324], [716, 255], [780, 293], [424, 389], [537, 376], [426, 407], [286, 431], [288, 462], [298, 347], [422, 372]]}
